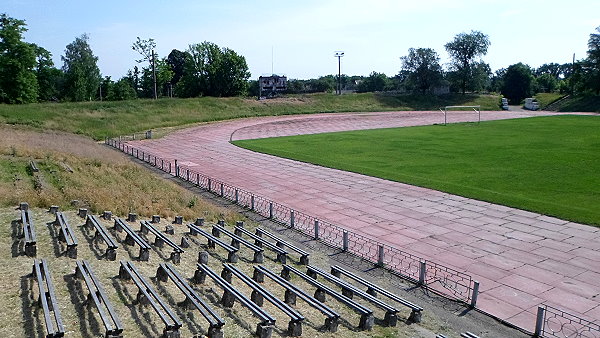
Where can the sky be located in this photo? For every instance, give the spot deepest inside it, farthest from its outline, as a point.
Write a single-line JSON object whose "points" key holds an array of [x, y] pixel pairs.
{"points": [[299, 38]]}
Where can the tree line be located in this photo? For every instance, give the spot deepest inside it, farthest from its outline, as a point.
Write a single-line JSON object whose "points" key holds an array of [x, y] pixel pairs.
{"points": [[28, 74]]}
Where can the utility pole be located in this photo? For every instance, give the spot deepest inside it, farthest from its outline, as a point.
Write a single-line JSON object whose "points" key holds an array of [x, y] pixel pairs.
{"points": [[154, 73], [339, 55]]}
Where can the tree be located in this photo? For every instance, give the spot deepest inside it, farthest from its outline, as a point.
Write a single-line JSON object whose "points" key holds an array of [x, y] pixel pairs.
{"points": [[157, 77], [464, 50], [212, 71], [49, 78], [546, 83], [82, 75], [18, 82], [592, 63], [146, 49], [176, 60], [423, 67], [376, 82], [121, 90], [517, 83]]}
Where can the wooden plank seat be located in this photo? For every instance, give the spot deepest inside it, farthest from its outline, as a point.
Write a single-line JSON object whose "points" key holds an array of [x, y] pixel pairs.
{"points": [[259, 293], [261, 242], [468, 335], [292, 291], [167, 271], [97, 296], [147, 295], [133, 238], [29, 234], [33, 166], [161, 239], [349, 290], [304, 256], [264, 328], [237, 240], [374, 290], [366, 314], [66, 234], [47, 299], [212, 241], [101, 232]]}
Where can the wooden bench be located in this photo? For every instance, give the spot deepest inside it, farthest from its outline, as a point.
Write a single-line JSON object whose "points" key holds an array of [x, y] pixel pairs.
{"points": [[264, 328], [111, 250], [167, 271], [291, 291], [284, 245], [366, 314], [66, 234], [97, 295], [260, 242], [373, 290], [212, 241], [29, 235], [47, 299], [147, 295], [161, 239], [33, 166], [468, 335], [133, 238], [237, 240], [259, 293], [349, 290]]}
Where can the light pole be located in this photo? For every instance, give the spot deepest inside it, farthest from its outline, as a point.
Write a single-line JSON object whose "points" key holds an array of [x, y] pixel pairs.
{"points": [[339, 55]]}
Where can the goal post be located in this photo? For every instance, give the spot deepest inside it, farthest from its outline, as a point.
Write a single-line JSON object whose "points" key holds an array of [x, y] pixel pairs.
{"points": [[476, 109]]}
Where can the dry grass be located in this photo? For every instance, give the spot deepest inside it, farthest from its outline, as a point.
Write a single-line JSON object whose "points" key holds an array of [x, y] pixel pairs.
{"points": [[22, 317], [99, 178]]}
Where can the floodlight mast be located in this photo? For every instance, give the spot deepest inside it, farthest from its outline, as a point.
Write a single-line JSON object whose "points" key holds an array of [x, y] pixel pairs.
{"points": [[339, 55]]}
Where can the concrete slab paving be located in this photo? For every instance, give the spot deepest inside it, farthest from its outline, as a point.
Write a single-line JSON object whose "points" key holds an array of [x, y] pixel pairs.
{"points": [[522, 259]]}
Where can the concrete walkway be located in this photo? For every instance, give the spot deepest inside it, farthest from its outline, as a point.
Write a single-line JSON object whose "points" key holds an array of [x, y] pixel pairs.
{"points": [[521, 259]]}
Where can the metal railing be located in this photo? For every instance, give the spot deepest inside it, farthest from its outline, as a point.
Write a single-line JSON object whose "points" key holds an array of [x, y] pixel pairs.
{"points": [[437, 278], [553, 322]]}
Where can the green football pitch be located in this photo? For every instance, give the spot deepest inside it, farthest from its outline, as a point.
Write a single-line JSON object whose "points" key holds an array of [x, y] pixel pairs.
{"points": [[549, 165]]}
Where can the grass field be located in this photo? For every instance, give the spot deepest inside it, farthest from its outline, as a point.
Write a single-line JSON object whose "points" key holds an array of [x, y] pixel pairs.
{"points": [[108, 119], [546, 164]]}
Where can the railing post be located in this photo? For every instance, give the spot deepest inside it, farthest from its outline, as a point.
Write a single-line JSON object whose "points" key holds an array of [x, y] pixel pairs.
{"points": [[316, 229], [422, 271], [169, 167], [198, 179], [252, 202], [345, 240], [292, 220], [475, 294], [176, 169], [221, 189], [188, 175], [209, 185], [237, 198], [270, 210], [380, 254], [539, 322]]}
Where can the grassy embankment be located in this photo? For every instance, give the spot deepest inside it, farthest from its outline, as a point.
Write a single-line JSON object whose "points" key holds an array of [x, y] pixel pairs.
{"points": [[548, 164], [544, 99], [76, 168], [582, 103], [108, 119]]}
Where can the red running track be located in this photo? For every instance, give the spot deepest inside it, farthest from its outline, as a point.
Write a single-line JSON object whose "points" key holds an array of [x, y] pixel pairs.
{"points": [[521, 259]]}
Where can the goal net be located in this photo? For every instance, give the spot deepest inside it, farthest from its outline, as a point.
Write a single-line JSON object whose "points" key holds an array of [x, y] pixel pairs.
{"points": [[463, 110]]}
